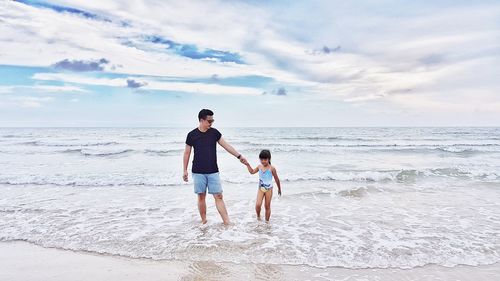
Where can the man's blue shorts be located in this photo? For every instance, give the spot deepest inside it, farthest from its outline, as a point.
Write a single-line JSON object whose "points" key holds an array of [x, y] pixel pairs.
{"points": [[202, 181]]}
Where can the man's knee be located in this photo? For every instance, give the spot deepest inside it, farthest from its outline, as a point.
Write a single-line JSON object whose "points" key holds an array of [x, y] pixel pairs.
{"points": [[218, 196], [268, 206], [201, 196]]}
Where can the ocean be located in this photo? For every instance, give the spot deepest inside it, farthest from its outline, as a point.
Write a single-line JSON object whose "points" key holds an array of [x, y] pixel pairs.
{"points": [[352, 197]]}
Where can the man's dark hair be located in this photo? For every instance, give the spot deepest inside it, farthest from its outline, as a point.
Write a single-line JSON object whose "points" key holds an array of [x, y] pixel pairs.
{"points": [[265, 154], [204, 113]]}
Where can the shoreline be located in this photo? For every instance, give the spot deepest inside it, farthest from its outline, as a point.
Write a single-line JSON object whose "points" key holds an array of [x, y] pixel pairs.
{"points": [[20, 260]]}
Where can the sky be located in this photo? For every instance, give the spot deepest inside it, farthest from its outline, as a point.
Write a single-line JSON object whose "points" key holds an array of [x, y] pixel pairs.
{"points": [[254, 63]]}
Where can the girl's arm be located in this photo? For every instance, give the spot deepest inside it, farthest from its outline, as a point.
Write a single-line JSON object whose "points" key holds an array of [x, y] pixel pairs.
{"points": [[252, 170], [277, 179]]}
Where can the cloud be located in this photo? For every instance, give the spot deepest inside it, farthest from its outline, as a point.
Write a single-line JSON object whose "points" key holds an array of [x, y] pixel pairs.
{"points": [[150, 83], [366, 98], [442, 52], [326, 50], [81, 65], [281, 91], [40, 88], [432, 59], [193, 58], [28, 102], [54, 89], [79, 79], [131, 83], [192, 51], [215, 78], [6, 89], [62, 9]]}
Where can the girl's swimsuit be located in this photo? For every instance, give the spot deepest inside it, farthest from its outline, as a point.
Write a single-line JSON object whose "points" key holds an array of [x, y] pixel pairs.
{"points": [[265, 180]]}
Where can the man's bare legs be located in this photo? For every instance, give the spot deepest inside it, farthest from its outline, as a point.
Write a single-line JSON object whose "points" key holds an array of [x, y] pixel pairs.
{"points": [[268, 196], [221, 207], [258, 202], [202, 207]]}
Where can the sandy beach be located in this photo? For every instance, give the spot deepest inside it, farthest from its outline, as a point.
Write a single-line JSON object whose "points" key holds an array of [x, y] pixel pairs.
{"points": [[21, 261]]}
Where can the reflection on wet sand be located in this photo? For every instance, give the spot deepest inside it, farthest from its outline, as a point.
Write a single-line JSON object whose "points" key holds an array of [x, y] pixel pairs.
{"points": [[207, 271]]}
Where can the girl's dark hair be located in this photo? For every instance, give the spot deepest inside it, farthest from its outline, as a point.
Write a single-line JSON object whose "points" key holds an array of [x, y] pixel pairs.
{"points": [[265, 154]]}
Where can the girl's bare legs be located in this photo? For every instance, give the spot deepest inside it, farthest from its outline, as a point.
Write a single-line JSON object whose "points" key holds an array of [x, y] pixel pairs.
{"points": [[268, 196], [258, 202]]}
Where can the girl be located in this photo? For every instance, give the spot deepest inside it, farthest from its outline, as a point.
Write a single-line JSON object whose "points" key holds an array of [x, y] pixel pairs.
{"points": [[266, 174]]}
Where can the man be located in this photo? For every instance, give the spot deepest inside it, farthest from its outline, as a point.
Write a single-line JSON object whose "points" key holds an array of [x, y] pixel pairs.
{"points": [[204, 139]]}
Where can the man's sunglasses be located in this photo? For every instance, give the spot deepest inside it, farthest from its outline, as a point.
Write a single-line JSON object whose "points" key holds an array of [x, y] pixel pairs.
{"points": [[210, 121]]}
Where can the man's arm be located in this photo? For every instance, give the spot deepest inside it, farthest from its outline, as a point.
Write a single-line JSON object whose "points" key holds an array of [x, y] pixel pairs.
{"points": [[231, 150], [187, 155]]}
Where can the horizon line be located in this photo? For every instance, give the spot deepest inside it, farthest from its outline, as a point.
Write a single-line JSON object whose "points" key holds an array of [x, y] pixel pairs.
{"points": [[225, 127]]}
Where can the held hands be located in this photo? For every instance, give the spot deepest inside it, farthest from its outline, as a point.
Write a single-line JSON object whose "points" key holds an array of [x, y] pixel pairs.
{"points": [[243, 160], [185, 176]]}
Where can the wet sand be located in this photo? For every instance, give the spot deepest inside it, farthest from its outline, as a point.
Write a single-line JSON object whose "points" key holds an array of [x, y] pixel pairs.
{"points": [[21, 261]]}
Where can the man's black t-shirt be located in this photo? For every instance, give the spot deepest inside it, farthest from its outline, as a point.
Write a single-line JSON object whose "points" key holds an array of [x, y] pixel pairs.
{"points": [[205, 150]]}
